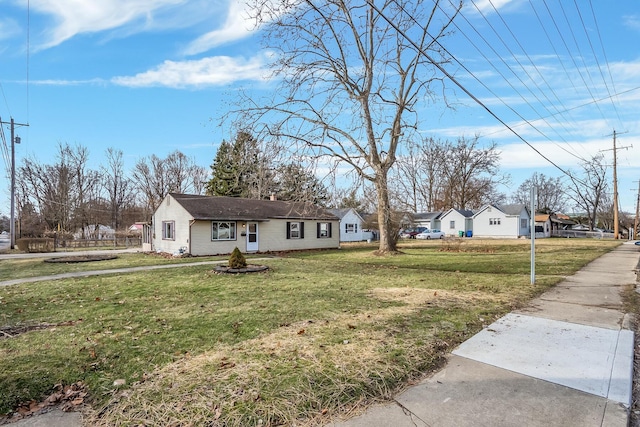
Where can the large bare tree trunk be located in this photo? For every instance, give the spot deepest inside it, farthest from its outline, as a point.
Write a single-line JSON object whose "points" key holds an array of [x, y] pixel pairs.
{"points": [[387, 230]]}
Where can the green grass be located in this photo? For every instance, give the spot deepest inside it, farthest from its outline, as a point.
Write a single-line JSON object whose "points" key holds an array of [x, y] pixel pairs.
{"points": [[319, 333]]}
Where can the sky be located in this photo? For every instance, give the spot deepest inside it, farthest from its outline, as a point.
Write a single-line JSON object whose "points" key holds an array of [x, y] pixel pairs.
{"points": [[554, 79]]}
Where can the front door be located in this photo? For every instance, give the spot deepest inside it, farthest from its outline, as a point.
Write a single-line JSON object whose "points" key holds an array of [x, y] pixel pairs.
{"points": [[252, 237]]}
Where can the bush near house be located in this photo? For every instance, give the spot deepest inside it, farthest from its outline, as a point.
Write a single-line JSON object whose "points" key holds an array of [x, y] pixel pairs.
{"points": [[237, 260]]}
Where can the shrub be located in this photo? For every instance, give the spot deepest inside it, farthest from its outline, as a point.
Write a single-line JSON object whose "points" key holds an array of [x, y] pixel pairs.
{"points": [[237, 260]]}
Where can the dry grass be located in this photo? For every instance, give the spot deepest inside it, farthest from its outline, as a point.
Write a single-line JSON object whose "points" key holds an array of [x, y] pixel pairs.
{"points": [[204, 388]]}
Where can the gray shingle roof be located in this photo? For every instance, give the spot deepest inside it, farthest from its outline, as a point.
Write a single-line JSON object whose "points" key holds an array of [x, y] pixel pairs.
{"points": [[515, 209], [234, 208], [427, 215]]}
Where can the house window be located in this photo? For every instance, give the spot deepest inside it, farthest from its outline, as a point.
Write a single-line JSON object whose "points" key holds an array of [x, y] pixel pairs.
{"points": [[168, 230], [494, 221], [223, 231], [523, 223], [452, 224], [324, 230], [295, 230], [351, 228]]}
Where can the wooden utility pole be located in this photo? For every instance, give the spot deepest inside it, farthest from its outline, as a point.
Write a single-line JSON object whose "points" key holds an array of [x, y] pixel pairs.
{"points": [[14, 140], [616, 225]]}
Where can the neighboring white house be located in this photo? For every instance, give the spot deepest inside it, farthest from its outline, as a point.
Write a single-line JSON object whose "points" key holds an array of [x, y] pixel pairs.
{"points": [[456, 221], [351, 229], [208, 225], [427, 219], [502, 221]]}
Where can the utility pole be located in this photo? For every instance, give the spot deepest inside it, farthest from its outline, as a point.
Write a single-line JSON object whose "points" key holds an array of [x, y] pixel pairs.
{"points": [[14, 140], [616, 229], [616, 225], [635, 224]]}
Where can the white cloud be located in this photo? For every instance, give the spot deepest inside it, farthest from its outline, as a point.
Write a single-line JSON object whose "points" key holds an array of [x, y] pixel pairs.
{"points": [[213, 71], [237, 26], [487, 6], [80, 16], [632, 21], [564, 154], [8, 28]]}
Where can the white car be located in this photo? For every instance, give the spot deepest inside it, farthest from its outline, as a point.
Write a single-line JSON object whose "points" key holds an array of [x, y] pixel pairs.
{"points": [[430, 234]]}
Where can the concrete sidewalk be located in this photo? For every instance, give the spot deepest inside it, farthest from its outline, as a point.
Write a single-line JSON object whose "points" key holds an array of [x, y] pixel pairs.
{"points": [[566, 360]]}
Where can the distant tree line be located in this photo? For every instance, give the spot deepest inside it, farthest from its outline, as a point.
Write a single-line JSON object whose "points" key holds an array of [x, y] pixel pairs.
{"points": [[66, 195]]}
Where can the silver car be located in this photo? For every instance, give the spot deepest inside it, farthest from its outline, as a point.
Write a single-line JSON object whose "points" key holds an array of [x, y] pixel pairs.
{"points": [[430, 234]]}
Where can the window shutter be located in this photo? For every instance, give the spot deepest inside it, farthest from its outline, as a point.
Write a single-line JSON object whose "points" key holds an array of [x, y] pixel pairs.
{"points": [[318, 230], [288, 230], [302, 230], [329, 224]]}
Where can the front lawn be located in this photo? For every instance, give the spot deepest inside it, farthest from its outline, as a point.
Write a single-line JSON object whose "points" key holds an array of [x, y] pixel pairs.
{"points": [[319, 334]]}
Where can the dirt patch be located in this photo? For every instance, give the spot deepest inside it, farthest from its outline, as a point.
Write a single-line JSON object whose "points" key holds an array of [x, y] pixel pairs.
{"points": [[81, 258], [14, 331]]}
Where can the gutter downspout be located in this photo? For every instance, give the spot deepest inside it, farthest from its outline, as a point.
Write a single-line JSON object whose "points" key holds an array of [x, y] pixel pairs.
{"points": [[193, 221]]}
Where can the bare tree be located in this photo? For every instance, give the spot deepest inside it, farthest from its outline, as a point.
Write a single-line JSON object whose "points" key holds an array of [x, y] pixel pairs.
{"points": [[590, 192], [60, 191], [471, 175], [117, 186], [420, 174], [438, 175], [351, 82], [552, 193], [156, 177]]}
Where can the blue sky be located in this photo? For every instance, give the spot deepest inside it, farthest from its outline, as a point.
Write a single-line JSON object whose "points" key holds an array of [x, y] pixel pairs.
{"points": [[152, 76]]}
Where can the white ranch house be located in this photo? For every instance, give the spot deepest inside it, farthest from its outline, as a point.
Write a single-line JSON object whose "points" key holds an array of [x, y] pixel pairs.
{"points": [[208, 225], [502, 221]]}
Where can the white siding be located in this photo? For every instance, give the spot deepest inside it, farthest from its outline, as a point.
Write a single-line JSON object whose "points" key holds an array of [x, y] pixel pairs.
{"points": [[509, 226], [201, 243], [170, 210], [460, 220], [351, 217], [272, 237]]}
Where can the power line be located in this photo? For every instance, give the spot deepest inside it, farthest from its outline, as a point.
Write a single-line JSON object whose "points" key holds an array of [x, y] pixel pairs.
{"points": [[421, 51], [543, 118]]}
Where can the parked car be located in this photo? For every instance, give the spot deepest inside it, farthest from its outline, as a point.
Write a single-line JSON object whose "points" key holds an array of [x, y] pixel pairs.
{"points": [[411, 233], [430, 234]]}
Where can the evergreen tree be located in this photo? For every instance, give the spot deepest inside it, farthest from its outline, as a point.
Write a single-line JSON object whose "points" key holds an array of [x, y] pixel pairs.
{"points": [[225, 179], [240, 169]]}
